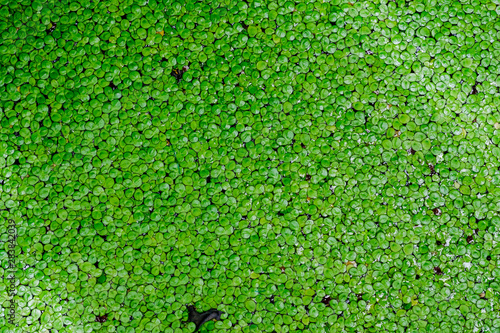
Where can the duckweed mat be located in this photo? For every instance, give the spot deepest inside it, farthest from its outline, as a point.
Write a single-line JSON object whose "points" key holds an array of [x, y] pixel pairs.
{"points": [[309, 166]]}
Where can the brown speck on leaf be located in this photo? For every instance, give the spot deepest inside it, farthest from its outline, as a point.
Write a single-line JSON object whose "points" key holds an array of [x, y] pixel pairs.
{"points": [[436, 211], [482, 294], [303, 145], [168, 143], [431, 167], [308, 177], [326, 300], [411, 151], [161, 32], [438, 270], [101, 319], [351, 263], [282, 269], [397, 133]]}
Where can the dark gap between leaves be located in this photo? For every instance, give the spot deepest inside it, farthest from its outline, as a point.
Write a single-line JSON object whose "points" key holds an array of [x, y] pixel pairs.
{"points": [[326, 300], [199, 318]]}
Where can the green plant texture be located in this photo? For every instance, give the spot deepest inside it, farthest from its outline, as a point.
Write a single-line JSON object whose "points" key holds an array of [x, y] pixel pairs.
{"points": [[309, 166]]}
